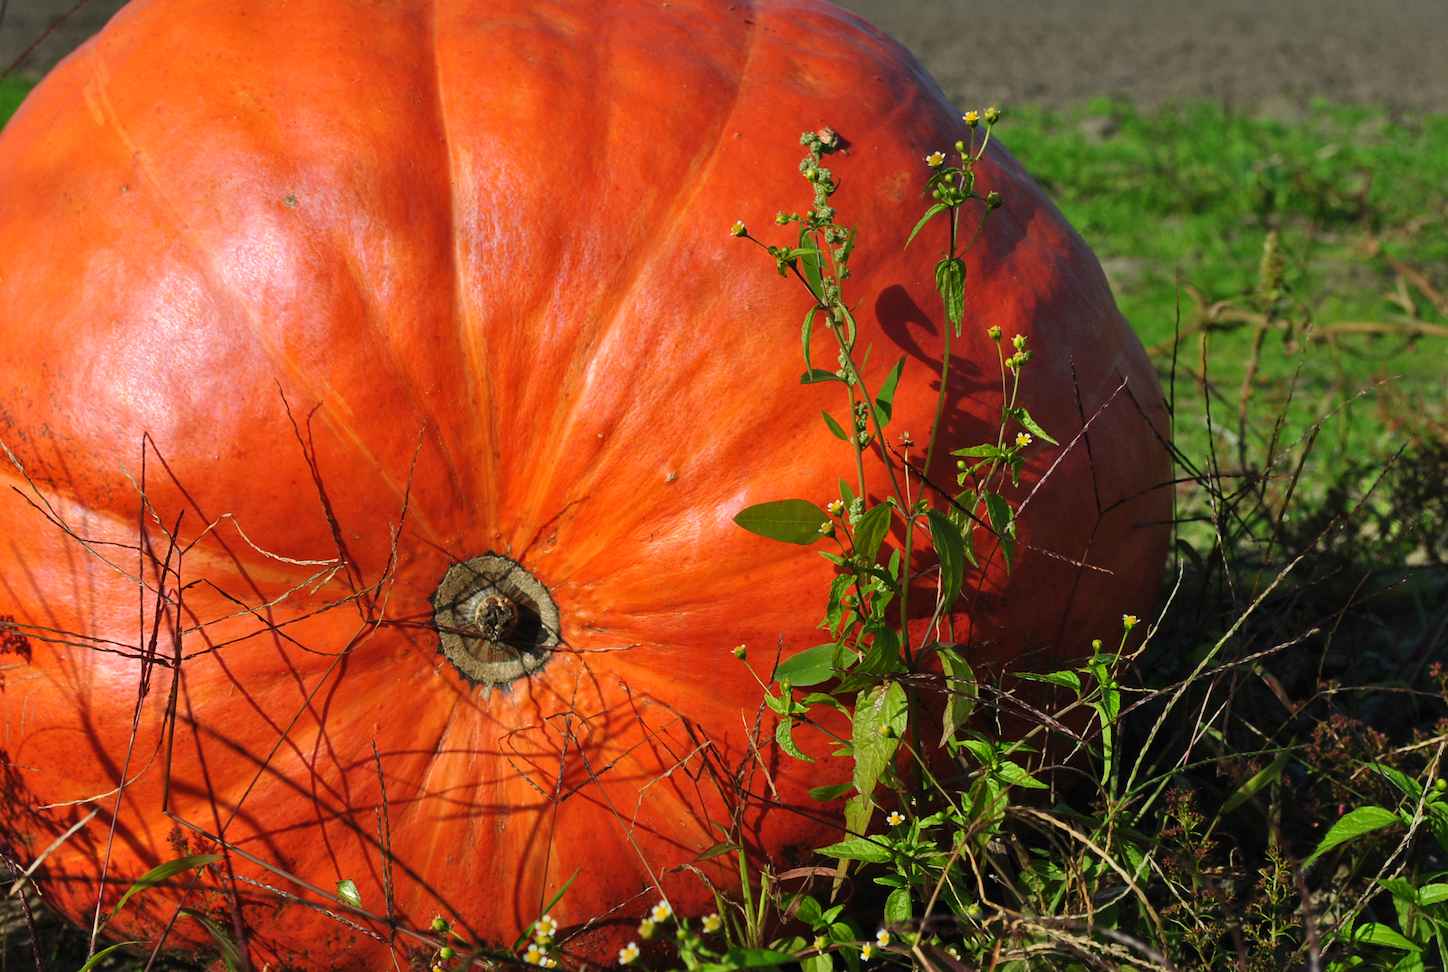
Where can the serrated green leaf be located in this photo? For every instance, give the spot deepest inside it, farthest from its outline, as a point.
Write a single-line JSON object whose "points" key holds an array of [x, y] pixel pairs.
{"points": [[930, 214], [784, 735], [880, 716], [1402, 781], [949, 545], [885, 397], [1352, 825], [950, 282], [858, 849], [809, 667], [160, 873], [348, 893], [790, 521], [870, 531], [835, 427]]}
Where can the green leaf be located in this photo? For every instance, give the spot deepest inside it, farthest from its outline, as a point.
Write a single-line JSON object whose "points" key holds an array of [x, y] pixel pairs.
{"points": [[348, 893], [1024, 417], [949, 545], [756, 958], [823, 962], [984, 451], [809, 667], [858, 849], [160, 873], [784, 735], [791, 521], [835, 427], [815, 376], [880, 716], [1003, 523], [1376, 933], [806, 332], [870, 531], [1431, 894], [897, 907], [930, 214], [833, 791], [230, 954], [963, 692], [885, 397], [858, 811], [950, 281], [809, 263], [1271, 774], [1352, 825], [103, 954], [1065, 679], [1016, 775], [1408, 786]]}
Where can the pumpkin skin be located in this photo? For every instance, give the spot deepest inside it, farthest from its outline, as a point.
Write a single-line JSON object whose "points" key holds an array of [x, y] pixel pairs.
{"points": [[393, 286]]}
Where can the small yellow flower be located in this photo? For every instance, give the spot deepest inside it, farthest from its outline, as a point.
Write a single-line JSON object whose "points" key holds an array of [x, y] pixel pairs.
{"points": [[1128, 621], [544, 929], [740, 652], [992, 115], [646, 929], [1019, 341], [993, 332], [661, 912], [738, 229], [826, 528], [935, 159], [971, 118], [882, 938], [895, 819], [628, 953], [712, 923], [866, 950], [836, 507], [1023, 439], [534, 955]]}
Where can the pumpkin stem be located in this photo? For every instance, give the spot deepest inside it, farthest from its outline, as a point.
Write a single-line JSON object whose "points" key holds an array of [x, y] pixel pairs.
{"points": [[496, 622]]}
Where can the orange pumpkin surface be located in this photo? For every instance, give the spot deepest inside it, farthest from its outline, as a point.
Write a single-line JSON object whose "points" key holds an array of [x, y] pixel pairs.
{"points": [[393, 287]]}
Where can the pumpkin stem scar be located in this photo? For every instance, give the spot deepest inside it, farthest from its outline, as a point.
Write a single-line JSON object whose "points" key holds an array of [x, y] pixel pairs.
{"points": [[495, 621]]}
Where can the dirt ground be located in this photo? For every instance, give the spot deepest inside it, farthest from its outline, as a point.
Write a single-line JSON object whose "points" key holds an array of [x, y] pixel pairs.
{"points": [[1264, 56]]}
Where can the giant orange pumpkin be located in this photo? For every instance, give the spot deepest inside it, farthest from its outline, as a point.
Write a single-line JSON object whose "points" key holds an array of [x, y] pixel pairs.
{"points": [[387, 308]]}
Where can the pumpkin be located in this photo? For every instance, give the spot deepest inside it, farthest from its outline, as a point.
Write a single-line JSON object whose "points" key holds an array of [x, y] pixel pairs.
{"points": [[349, 346]]}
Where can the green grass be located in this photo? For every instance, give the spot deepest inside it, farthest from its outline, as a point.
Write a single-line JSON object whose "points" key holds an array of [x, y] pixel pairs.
{"points": [[12, 92], [1177, 203]]}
